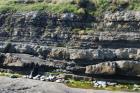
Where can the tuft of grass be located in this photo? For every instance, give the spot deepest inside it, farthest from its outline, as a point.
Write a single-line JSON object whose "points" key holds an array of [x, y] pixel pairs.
{"points": [[12, 75], [121, 87], [90, 85], [11, 6], [80, 84], [92, 7]]}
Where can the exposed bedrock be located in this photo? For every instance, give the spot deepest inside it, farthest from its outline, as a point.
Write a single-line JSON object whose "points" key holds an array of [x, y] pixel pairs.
{"points": [[45, 41], [123, 67], [25, 63], [72, 54], [107, 68]]}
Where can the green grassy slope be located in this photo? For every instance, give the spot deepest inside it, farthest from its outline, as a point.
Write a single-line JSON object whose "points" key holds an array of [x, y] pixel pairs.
{"points": [[94, 7]]}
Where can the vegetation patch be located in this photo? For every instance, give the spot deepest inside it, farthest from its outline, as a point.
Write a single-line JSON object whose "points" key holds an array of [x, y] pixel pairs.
{"points": [[90, 85], [92, 7], [11, 75], [80, 84]]}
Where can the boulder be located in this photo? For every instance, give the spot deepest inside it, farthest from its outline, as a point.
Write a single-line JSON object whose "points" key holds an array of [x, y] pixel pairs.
{"points": [[11, 60], [122, 53], [100, 84], [107, 68], [129, 68], [59, 53]]}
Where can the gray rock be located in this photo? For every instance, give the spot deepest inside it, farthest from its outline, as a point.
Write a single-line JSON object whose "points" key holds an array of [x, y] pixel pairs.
{"points": [[129, 68], [111, 83], [59, 81], [50, 78], [100, 84], [122, 53], [37, 77], [108, 68]]}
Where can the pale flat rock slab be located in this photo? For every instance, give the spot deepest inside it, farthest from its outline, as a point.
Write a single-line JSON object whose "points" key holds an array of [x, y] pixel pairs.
{"points": [[20, 85]]}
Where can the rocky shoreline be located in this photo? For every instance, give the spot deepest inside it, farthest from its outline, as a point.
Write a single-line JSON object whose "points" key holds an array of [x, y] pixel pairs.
{"points": [[22, 85]]}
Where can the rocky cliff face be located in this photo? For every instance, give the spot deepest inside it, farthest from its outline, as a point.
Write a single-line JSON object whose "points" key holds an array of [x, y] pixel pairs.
{"points": [[47, 41]]}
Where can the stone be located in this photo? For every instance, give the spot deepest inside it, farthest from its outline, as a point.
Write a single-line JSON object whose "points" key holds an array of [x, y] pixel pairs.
{"points": [[111, 83], [129, 68], [59, 81], [30, 77], [25, 76], [122, 53], [60, 76], [107, 68], [11, 60], [50, 78], [100, 84], [59, 53], [42, 79], [37, 77]]}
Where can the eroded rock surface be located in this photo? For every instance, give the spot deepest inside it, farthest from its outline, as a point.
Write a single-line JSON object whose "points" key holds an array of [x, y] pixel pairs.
{"points": [[34, 86], [108, 68], [39, 39]]}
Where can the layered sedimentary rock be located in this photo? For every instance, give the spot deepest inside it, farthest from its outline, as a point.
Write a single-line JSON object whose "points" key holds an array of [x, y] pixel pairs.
{"points": [[123, 67], [72, 54], [108, 68], [36, 39]]}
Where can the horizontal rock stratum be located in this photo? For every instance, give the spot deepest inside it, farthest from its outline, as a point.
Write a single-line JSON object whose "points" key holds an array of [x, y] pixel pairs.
{"points": [[60, 42], [123, 67], [72, 54]]}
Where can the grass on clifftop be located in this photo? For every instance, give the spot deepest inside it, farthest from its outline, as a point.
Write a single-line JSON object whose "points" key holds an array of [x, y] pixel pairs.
{"points": [[94, 7], [9, 6]]}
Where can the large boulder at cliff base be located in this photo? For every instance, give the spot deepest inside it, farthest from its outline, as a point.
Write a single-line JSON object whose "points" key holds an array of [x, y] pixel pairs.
{"points": [[107, 68], [128, 68]]}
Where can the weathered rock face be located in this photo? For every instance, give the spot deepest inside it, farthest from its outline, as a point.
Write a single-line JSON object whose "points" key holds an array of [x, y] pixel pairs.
{"points": [[123, 16], [72, 54], [49, 41], [12, 61], [123, 21], [129, 68], [123, 67], [59, 53], [25, 63], [108, 68]]}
